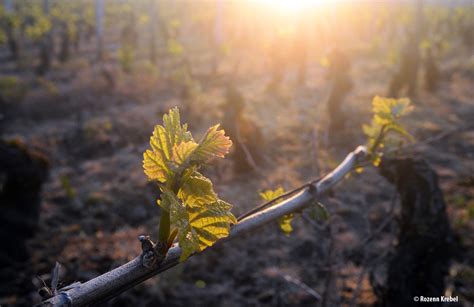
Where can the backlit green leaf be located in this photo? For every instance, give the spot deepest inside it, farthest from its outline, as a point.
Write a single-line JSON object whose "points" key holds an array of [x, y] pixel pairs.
{"points": [[401, 131], [200, 227], [175, 132], [285, 224], [212, 222], [213, 144], [168, 198], [197, 190], [169, 143], [270, 195], [387, 112], [195, 211], [284, 221], [155, 166], [318, 212], [183, 151]]}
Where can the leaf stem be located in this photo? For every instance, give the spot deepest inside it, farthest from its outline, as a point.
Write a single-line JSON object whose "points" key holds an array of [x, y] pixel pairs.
{"points": [[172, 236], [164, 230], [378, 140], [165, 222]]}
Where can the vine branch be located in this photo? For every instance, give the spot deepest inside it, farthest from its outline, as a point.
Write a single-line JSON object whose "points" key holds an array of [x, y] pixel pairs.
{"points": [[132, 273]]}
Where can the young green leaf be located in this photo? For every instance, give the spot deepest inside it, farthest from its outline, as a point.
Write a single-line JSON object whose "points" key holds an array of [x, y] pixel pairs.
{"points": [[201, 226], [183, 151], [387, 112], [197, 191], [285, 224], [195, 211], [284, 221], [318, 212], [213, 144], [158, 161]]}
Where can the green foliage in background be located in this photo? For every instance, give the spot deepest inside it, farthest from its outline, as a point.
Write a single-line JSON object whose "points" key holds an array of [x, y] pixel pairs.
{"points": [[125, 57], [11, 89]]}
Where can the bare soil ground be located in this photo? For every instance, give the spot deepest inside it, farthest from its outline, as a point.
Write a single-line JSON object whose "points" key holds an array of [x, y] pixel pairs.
{"points": [[97, 199]]}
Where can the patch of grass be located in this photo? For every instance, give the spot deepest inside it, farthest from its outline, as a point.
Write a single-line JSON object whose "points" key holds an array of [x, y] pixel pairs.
{"points": [[11, 89]]}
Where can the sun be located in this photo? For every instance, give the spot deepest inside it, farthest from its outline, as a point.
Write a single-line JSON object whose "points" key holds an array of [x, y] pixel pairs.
{"points": [[293, 6]]}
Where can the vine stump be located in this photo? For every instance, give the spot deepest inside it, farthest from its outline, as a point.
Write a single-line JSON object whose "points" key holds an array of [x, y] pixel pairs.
{"points": [[422, 255]]}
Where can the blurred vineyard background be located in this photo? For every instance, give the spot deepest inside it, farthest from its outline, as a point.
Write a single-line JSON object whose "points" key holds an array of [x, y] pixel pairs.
{"points": [[82, 84]]}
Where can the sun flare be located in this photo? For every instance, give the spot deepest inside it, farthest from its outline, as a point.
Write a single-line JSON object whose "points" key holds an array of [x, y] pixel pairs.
{"points": [[293, 6]]}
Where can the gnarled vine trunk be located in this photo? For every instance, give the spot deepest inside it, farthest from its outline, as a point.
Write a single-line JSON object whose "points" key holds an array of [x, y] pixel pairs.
{"points": [[422, 255], [22, 173]]}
